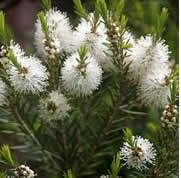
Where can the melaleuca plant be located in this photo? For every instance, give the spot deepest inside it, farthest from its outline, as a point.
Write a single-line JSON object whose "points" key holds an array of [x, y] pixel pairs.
{"points": [[77, 102]]}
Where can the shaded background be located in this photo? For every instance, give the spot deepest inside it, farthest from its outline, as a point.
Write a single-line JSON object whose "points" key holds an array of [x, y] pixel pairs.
{"points": [[21, 16]]}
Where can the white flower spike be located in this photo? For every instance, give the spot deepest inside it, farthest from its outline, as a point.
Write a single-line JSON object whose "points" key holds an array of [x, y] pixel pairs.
{"points": [[54, 107], [95, 38], [60, 32], [81, 78], [146, 55], [138, 155], [32, 77], [154, 87]]}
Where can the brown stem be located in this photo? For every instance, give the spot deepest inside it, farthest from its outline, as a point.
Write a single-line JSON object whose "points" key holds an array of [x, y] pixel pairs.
{"points": [[31, 135]]}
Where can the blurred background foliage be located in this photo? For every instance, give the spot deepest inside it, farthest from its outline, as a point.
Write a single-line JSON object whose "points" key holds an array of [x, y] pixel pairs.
{"points": [[142, 14]]}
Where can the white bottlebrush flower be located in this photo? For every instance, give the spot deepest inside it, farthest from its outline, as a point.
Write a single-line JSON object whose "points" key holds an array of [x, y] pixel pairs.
{"points": [[138, 155], [31, 77], [81, 79], [95, 38], [59, 28], [54, 107], [154, 87], [24, 171], [2, 93], [145, 55]]}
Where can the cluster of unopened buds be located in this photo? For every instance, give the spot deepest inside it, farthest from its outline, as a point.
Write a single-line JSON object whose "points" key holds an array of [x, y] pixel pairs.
{"points": [[114, 34], [3, 54], [24, 172], [169, 116], [52, 47]]}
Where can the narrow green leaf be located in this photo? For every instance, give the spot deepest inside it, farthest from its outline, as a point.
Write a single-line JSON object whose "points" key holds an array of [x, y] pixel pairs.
{"points": [[44, 24], [115, 166], [160, 27], [13, 59], [128, 136], [68, 174], [119, 8], [103, 10], [2, 22], [96, 13], [6, 156], [123, 23], [80, 10], [116, 8], [82, 52], [47, 4]]}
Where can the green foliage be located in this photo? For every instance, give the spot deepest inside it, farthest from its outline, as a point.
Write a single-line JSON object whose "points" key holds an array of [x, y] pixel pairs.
{"points": [[44, 24], [82, 53], [13, 59], [5, 156], [116, 166], [68, 175], [80, 10], [96, 12], [123, 23], [103, 10], [6, 34], [47, 4], [128, 136], [160, 27], [2, 23], [116, 7]]}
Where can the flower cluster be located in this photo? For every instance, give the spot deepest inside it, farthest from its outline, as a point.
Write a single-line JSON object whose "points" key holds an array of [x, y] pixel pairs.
{"points": [[150, 68], [24, 172], [169, 116], [26, 74], [138, 154], [154, 88], [81, 77], [54, 107], [94, 36], [60, 33], [31, 76]]}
